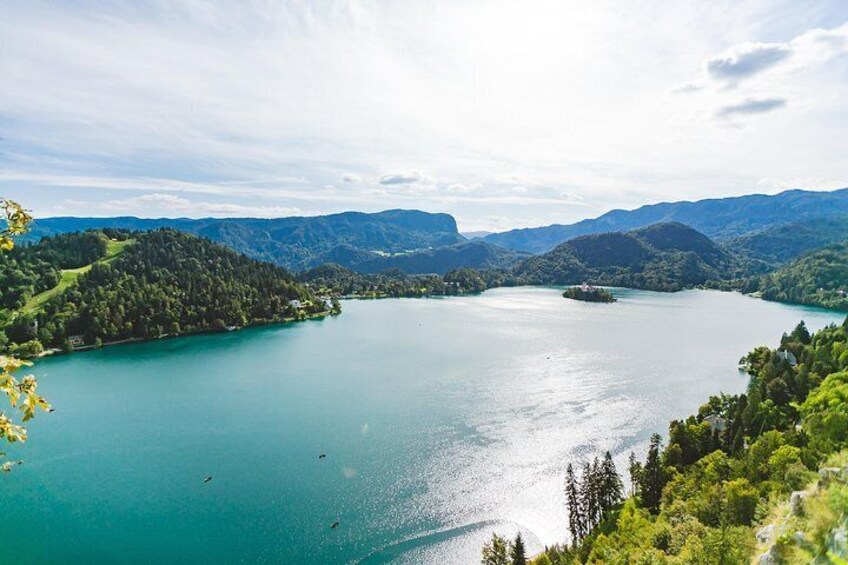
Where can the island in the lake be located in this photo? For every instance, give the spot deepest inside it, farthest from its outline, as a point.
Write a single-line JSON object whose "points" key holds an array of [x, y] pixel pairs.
{"points": [[588, 293]]}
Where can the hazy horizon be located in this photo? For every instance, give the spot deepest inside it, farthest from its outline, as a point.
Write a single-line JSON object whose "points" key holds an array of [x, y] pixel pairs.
{"points": [[460, 228]]}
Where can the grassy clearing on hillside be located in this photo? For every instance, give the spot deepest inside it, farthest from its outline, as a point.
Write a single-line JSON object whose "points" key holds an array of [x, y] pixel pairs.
{"points": [[114, 249]]}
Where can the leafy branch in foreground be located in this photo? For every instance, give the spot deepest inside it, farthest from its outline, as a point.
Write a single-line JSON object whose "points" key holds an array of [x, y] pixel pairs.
{"points": [[22, 394], [17, 223]]}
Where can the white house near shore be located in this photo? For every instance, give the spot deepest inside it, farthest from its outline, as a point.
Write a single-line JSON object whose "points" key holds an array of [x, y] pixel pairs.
{"points": [[716, 422], [788, 357]]}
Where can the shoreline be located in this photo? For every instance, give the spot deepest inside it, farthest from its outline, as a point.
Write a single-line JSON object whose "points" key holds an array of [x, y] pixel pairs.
{"points": [[134, 340]]}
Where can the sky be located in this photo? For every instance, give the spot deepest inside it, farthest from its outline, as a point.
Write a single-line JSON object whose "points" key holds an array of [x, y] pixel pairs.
{"points": [[505, 114]]}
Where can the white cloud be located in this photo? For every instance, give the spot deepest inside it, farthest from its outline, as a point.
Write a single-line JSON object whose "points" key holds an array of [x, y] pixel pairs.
{"points": [[747, 59], [274, 104], [752, 106], [401, 178], [147, 205]]}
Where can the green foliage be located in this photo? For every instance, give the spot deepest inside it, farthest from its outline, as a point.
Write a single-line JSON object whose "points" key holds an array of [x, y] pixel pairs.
{"points": [[337, 280], [495, 552], [439, 260], [825, 413], [696, 500], [166, 282], [783, 243], [21, 393], [17, 223], [666, 257], [292, 242], [517, 552], [818, 279], [591, 499], [592, 294], [653, 477]]}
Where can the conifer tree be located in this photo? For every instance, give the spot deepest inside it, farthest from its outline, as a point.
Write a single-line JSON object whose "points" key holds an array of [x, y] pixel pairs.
{"points": [[495, 552], [596, 492], [611, 487], [517, 552], [653, 477], [572, 497], [635, 471]]}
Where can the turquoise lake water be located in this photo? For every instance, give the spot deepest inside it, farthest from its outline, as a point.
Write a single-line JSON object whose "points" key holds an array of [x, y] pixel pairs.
{"points": [[442, 420]]}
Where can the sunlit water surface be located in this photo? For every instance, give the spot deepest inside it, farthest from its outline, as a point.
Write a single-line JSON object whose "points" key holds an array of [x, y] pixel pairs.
{"points": [[442, 420]]}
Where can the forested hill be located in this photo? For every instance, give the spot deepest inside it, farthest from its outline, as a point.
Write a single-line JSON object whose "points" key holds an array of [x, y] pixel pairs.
{"points": [[718, 218], [819, 278], [705, 494], [157, 283], [440, 260], [780, 244], [668, 256], [296, 242]]}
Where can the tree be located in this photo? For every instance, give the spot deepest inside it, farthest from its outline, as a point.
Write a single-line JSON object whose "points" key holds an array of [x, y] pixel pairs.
{"points": [[653, 477], [611, 488], [21, 393], [17, 222], [572, 498], [589, 498], [635, 471], [517, 552], [495, 551]]}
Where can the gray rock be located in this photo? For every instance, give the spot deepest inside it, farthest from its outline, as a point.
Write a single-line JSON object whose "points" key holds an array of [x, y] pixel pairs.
{"points": [[838, 543], [829, 473], [765, 534], [769, 557], [796, 502]]}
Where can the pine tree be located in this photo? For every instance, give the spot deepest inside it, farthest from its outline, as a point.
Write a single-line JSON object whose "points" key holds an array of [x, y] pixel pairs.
{"points": [[517, 552], [635, 471], [588, 498], [653, 477], [495, 551], [572, 497], [596, 491], [611, 487]]}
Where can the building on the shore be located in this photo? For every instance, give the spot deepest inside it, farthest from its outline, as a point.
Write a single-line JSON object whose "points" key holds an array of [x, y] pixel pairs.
{"points": [[788, 356], [716, 422]]}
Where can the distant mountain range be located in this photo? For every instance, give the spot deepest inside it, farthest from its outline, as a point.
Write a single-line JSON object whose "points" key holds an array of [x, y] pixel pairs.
{"points": [[296, 243], [667, 256], [476, 234], [719, 218], [767, 230]]}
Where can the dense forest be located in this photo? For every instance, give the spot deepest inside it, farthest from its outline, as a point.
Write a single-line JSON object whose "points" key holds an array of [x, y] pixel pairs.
{"points": [[394, 283], [295, 243], [817, 279], [780, 244], [439, 260], [28, 270], [665, 257], [163, 282], [729, 467]]}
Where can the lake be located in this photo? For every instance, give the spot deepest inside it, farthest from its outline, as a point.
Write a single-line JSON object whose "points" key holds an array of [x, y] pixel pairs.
{"points": [[441, 420]]}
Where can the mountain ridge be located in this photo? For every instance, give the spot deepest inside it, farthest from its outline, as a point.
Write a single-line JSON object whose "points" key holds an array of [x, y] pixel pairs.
{"points": [[295, 242], [666, 256], [719, 218]]}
